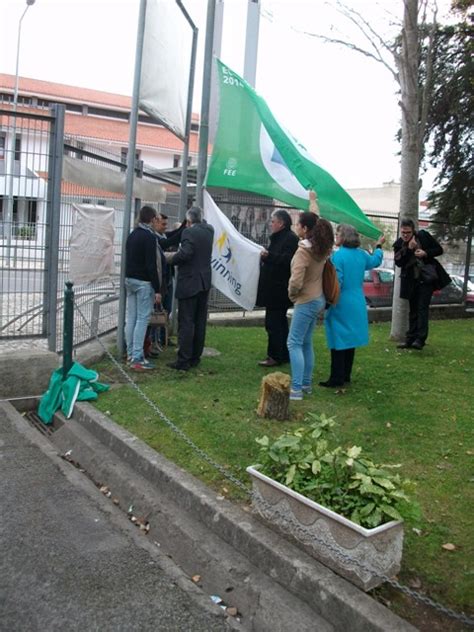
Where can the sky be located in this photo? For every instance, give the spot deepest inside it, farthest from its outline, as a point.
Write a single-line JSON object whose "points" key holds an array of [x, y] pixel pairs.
{"points": [[342, 106]]}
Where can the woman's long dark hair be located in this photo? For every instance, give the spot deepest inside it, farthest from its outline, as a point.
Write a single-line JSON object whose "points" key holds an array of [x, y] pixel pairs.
{"points": [[320, 234]]}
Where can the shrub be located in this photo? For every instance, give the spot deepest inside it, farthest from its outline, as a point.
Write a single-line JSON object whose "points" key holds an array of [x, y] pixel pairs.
{"points": [[341, 479]]}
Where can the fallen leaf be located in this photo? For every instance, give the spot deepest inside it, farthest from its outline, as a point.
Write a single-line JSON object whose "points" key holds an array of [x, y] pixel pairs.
{"points": [[388, 424], [232, 611], [417, 531], [196, 578], [448, 546], [415, 582], [115, 501], [104, 489]]}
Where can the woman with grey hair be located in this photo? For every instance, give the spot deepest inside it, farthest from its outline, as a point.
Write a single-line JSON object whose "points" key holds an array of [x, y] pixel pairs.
{"points": [[346, 322]]}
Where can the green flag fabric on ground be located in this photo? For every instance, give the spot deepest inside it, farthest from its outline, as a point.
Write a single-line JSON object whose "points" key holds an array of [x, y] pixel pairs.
{"points": [[252, 152]]}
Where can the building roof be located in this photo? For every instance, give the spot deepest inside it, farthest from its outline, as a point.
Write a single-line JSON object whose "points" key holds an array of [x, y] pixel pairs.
{"points": [[94, 126], [72, 94], [102, 128]]}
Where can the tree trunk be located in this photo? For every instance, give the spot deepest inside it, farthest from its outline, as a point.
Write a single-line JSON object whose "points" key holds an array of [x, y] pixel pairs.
{"points": [[412, 135], [274, 397]]}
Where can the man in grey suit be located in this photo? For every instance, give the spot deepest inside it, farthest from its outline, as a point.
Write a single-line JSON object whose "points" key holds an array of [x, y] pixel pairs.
{"points": [[193, 260]]}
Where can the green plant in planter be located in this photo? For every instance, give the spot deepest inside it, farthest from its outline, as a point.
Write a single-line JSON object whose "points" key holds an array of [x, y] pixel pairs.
{"points": [[341, 479]]}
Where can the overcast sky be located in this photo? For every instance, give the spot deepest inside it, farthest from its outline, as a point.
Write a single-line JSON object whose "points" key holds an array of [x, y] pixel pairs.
{"points": [[340, 105]]}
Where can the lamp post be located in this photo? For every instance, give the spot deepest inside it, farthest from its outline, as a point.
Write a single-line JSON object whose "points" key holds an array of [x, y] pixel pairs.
{"points": [[11, 152]]}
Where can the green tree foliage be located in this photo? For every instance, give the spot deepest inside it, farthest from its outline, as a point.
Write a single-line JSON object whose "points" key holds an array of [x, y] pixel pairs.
{"points": [[450, 123]]}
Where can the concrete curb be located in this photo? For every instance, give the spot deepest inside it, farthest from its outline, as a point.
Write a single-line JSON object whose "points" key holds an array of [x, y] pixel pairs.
{"points": [[329, 596]]}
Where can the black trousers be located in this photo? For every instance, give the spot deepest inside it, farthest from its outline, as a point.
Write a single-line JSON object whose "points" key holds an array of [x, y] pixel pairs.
{"points": [[419, 313], [276, 326], [341, 365], [192, 320]]}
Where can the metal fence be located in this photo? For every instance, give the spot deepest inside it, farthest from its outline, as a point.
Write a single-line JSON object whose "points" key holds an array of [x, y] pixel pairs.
{"points": [[37, 216], [27, 160]]}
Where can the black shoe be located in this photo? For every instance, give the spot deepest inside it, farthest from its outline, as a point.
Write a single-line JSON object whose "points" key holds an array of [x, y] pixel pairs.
{"points": [[418, 345], [178, 366], [405, 345], [194, 363], [330, 384], [269, 362]]}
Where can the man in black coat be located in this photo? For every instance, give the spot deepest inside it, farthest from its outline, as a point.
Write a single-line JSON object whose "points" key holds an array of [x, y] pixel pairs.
{"points": [[273, 286], [420, 275], [192, 288], [143, 281]]}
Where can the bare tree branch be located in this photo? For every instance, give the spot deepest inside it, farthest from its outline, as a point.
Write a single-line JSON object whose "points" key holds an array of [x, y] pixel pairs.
{"points": [[365, 28], [362, 51]]}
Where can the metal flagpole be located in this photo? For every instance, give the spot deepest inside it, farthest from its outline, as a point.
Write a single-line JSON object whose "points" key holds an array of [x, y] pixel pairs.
{"points": [[251, 41], [206, 93], [132, 142], [183, 197]]}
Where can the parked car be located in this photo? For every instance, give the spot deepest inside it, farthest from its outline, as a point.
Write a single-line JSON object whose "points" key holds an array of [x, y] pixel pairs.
{"points": [[378, 290], [458, 281], [378, 287]]}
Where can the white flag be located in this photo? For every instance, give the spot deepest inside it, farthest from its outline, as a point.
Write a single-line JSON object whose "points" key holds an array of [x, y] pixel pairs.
{"points": [[166, 58], [235, 259], [92, 244]]}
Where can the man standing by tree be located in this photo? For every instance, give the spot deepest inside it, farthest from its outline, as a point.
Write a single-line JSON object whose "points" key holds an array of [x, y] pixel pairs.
{"points": [[273, 286], [420, 275], [192, 288]]}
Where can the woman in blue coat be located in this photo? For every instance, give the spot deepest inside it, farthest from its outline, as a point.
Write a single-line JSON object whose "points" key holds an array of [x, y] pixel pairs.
{"points": [[346, 323]]}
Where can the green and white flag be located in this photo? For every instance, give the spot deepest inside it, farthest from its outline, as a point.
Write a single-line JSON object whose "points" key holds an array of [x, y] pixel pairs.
{"points": [[252, 152]]}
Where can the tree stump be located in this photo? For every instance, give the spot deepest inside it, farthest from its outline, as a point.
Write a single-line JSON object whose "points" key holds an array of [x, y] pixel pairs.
{"points": [[275, 396]]}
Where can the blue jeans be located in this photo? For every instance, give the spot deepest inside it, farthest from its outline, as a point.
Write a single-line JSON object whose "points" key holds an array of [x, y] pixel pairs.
{"points": [[140, 298], [300, 342]]}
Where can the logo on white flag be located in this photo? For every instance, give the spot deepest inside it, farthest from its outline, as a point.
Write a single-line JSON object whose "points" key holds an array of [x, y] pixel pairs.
{"points": [[220, 262], [235, 260]]}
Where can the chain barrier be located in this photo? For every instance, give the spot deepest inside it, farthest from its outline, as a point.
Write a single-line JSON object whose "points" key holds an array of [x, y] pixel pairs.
{"points": [[287, 517]]}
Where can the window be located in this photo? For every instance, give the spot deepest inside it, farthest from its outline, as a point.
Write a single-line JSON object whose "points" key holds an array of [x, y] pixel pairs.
{"points": [[18, 147], [385, 276], [367, 277], [79, 154], [176, 159], [123, 157], [31, 211], [3, 140]]}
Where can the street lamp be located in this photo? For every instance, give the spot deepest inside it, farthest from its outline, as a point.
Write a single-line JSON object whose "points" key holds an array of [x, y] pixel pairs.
{"points": [[11, 168]]}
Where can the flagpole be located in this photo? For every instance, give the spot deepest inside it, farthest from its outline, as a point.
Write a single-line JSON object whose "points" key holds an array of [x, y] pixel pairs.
{"points": [[132, 143], [183, 193], [206, 94]]}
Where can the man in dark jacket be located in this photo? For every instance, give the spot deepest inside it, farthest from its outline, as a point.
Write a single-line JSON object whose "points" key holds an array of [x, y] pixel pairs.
{"points": [[143, 268], [420, 275], [168, 240], [192, 288], [273, 286]]}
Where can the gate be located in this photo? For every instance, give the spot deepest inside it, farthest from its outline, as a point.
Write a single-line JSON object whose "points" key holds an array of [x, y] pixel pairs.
{"points": [[30, 165]]}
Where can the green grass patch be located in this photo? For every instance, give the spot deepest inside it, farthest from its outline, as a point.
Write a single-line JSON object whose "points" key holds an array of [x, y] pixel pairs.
{"points": [[408, 407]]}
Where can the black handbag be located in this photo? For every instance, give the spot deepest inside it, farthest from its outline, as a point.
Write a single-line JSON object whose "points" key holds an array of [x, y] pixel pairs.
{"points": [[428, 273]]}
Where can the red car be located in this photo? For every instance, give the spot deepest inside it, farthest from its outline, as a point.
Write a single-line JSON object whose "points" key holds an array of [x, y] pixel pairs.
{"points": [[378, 287], [378, 290]]}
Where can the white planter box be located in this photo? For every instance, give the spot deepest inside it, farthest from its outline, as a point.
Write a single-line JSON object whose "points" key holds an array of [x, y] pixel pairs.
{"points": [[313, 525]]}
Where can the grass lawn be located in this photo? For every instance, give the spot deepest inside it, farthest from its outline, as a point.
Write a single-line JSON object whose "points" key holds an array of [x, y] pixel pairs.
{"points": [[408, 407]]}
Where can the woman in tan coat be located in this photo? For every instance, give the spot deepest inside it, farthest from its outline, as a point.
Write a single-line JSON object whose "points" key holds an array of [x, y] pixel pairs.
{"points": [[305, 290]]}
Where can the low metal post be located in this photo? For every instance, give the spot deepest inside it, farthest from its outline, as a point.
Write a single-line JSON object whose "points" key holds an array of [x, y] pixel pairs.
{"points": [[68, 327]]}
